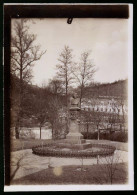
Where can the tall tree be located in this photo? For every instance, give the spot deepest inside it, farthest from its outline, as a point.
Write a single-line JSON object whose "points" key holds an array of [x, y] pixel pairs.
{"points": [[83, 72], [24, 53], [64, 69]]}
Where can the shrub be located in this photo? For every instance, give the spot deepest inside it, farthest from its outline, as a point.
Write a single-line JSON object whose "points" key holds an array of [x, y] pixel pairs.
{"points": [[119, 136], [90, 135]]}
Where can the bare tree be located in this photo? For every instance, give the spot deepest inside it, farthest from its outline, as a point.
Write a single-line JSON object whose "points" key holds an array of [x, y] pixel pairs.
{"points": [[23, 51], [23, 56], [64, 74], [83, 72], [64, 69], [109, 165]]}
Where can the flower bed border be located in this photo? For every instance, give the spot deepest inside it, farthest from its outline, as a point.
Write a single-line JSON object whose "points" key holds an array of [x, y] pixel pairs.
{"points": [[45, 150]]}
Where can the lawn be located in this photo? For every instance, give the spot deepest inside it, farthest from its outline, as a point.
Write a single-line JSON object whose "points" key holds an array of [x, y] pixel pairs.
{"points": [[94, 174], [119, 145], [19, 144]]}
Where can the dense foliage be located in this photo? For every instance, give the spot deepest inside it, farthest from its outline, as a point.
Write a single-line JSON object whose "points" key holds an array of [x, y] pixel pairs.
{"points": [[115, 136]]}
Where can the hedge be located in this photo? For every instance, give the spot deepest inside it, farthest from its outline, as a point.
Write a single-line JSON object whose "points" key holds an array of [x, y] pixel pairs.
{"points": [[114, 136]]}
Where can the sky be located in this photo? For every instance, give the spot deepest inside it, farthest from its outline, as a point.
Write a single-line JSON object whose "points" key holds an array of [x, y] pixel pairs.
{"points": [[107, 39]]}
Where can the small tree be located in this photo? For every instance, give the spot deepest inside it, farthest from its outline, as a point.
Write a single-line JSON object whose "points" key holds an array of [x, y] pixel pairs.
{"points": [[109, 165]]}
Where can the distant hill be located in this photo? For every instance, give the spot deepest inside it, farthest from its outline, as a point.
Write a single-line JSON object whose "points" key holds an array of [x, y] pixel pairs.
{"points": [[115, 89]]}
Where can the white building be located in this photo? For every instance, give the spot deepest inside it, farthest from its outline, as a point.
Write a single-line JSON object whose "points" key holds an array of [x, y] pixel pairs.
{"points": [[105, 105]]}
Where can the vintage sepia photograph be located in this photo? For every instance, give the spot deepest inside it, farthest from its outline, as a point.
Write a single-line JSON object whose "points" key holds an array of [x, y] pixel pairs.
{"points": [[71, 120]]}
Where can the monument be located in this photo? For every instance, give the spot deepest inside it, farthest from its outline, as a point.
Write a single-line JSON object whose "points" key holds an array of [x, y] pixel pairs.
{"points": [[74, 136]]}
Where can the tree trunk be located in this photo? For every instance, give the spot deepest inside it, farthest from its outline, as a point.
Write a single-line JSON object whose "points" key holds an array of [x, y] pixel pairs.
{"points": [[87, 130], [66, 92], [111, 129], [66, 102], [52, 128], [98, 132], [82, 167], [66, 99], [40, 131], [17, 132], [67, 125], [81, 94], [20, 104], [67, 108], [17, 128], [97, 159]]}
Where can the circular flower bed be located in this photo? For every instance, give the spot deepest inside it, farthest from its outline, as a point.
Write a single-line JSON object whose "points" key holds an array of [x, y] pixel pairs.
{"points": [[55, 150]]}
